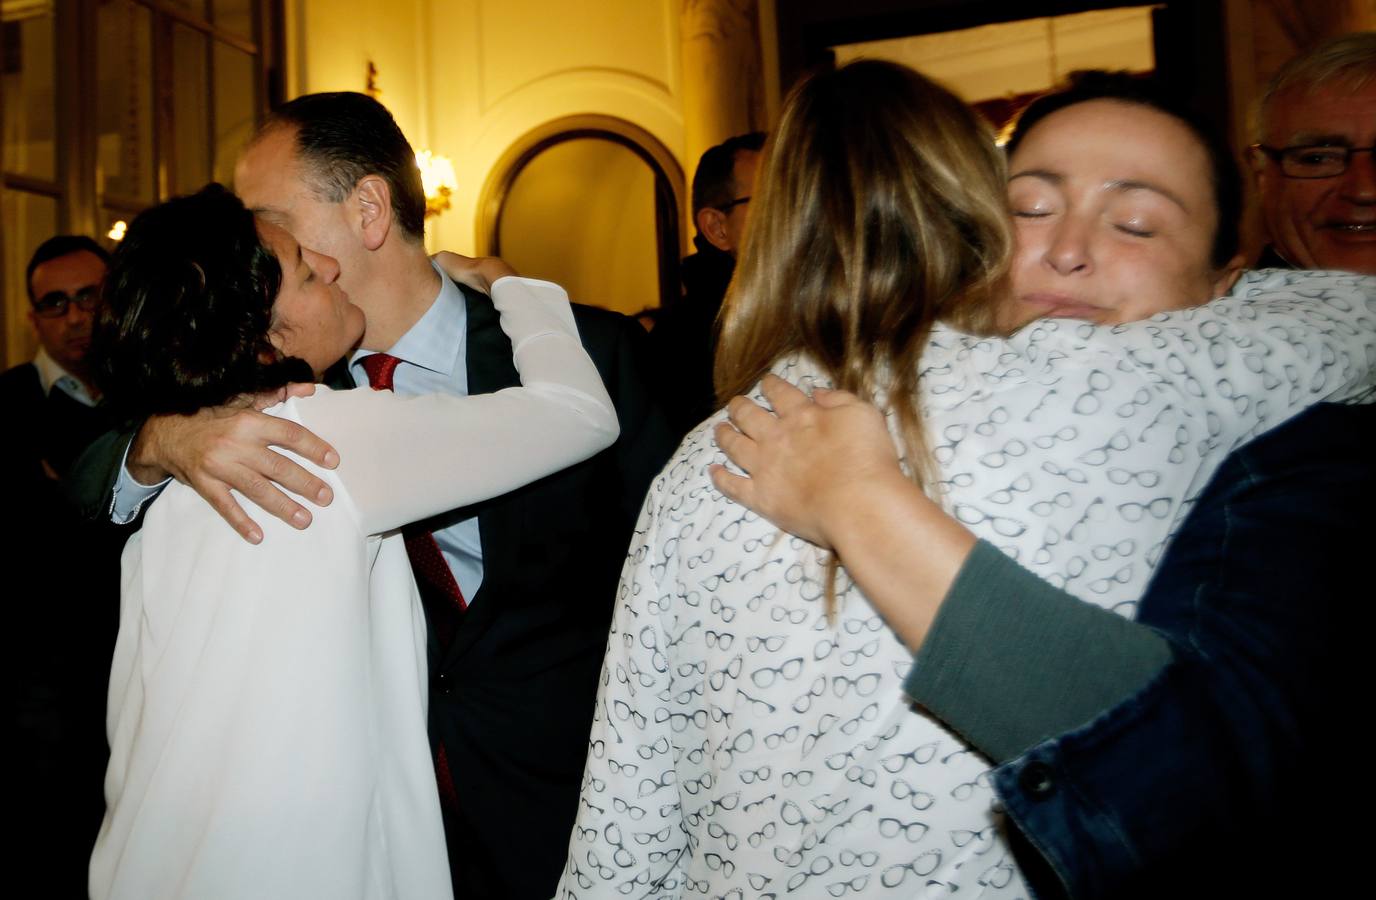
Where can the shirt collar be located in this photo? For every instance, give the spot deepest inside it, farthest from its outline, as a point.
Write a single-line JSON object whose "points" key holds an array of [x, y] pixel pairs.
{"points": [[52, 375], [435, 342]]}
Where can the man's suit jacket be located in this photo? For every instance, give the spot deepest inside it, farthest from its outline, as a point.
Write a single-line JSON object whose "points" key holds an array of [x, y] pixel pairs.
{"points": [[67, 623], [512, 700]]}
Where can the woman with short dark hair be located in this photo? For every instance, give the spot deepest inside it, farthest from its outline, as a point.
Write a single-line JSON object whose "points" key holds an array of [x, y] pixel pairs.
{"points": [[267, 715]]}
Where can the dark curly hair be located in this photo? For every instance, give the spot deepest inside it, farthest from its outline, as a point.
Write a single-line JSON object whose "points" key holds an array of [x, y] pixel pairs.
{"points": [[187, 308], [1096, 84]]}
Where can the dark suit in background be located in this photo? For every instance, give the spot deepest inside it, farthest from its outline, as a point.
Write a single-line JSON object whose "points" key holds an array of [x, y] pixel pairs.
{"points": [[65, 619]]}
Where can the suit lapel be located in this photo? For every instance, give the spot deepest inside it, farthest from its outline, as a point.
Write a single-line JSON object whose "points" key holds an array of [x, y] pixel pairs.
{"points": [[487, 360]]}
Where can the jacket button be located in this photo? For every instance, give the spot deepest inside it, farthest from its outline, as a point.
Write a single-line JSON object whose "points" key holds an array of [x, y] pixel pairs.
{"points": [[1036, 780], [444, 684]]}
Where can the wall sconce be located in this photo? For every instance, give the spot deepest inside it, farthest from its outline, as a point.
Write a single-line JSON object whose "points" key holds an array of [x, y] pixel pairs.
{"points": [[438, 180], [116, 232]]}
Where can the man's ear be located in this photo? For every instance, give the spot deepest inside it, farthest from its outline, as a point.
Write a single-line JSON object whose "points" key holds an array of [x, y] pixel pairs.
{"points": [[1228, 275], [373, 198], [712, 226]]}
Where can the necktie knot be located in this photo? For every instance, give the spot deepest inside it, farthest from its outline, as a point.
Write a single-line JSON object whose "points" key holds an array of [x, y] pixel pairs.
{"points": [[380, 368]]}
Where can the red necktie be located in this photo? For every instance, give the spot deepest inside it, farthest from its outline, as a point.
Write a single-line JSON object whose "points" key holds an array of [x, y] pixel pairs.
{"points": [[439, 592]]}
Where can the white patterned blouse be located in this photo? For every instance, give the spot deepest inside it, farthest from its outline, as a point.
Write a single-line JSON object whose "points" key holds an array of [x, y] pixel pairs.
{"points": [[743, 746]]}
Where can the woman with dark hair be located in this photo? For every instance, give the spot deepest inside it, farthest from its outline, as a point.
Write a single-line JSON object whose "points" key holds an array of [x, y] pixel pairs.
{"points": [[267, 715], [751, 734]]}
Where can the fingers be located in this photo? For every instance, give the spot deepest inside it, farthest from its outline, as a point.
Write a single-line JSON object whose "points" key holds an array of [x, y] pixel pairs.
{"points": [[302, 442], [784, 397], [265, 399], [831, 399], [223, 503], [738, 448], [735, 487], [274, 469], [750, 418]]}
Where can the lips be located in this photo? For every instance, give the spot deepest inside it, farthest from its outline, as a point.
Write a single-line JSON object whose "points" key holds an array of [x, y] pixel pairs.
{"points": [[1061, 306], [1350, 229]]}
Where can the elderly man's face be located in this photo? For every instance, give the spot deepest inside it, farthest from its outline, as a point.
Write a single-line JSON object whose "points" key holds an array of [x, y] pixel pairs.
{"points": [[1322, 223]]}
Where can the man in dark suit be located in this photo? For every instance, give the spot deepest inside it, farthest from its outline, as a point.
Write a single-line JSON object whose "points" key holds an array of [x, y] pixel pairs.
{"points": [[534, 572], [684, 339], [52, 397], [69, 614]]}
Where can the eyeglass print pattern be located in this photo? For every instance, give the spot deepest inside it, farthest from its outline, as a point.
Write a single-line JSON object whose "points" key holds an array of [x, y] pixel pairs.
{"points": [[743, 746]]}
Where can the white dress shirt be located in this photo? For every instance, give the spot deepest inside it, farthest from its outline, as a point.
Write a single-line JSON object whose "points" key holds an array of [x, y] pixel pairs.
{"points": [[433, 361], [52, 375]]}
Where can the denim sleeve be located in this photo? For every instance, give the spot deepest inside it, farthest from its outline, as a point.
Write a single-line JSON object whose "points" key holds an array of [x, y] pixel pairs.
{"points": [[1230, 760]]}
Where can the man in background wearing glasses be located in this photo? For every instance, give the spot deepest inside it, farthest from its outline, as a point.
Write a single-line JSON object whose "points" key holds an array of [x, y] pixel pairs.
{"points": [[51, 401], [683, 340], [65, 573], [1313, 164]]}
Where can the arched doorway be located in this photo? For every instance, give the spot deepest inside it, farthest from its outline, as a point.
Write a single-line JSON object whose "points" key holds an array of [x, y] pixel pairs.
{"points": [[593, 203]]}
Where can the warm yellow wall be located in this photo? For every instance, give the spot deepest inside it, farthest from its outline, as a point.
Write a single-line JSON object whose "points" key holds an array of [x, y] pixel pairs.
{"points": [[501, 68], [468, 78], [599, 245], [330, 42]]}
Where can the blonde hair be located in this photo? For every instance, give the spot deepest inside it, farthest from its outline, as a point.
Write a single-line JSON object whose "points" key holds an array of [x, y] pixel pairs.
{"points": [[881, 209]]}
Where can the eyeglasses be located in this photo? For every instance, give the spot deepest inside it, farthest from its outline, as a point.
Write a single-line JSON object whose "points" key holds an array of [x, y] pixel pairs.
{"points": [[727, 207], [53, 305], [1312, 162]]}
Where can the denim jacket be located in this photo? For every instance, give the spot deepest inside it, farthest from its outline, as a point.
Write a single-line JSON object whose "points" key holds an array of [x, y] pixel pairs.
{"points": [[1220, 771]]}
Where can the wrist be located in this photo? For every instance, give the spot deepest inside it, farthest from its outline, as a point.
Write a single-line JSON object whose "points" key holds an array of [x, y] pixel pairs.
{"points": [[846, 510], [142, 461]]}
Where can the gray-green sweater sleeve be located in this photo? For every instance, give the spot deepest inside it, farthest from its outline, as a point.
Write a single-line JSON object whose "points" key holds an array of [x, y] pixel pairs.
{"points": [[1011, 661]]}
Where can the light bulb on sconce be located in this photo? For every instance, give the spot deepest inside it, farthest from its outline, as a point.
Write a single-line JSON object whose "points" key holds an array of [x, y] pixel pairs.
{"points": [[116, 232], [438, 179]]}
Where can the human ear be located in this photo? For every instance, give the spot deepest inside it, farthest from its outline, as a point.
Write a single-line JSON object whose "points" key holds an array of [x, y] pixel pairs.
{"points": [[712, 226], [373, 198], [1227, 276]]}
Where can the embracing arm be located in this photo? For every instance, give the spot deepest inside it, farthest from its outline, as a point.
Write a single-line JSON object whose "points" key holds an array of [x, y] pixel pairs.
{"points": [[827, 471], [214, 450], [407, 458], [1128, 749]]}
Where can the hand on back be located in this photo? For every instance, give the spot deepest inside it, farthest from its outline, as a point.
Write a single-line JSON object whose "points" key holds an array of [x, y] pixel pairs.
{"points": [[231, 448]]}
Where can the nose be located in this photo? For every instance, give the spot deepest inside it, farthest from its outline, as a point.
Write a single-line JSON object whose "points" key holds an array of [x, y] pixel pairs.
{"points": [[1067, 251], [1359, 181], [76, 315], [326, 268]]}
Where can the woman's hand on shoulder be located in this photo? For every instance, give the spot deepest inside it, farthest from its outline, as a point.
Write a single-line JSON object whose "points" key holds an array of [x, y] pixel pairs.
{"points": [[479, 273], [808, 462]]}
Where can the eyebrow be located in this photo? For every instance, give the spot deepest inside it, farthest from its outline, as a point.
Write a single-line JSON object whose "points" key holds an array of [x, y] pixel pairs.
{"points": [[1122, 185], [1313, 139]]}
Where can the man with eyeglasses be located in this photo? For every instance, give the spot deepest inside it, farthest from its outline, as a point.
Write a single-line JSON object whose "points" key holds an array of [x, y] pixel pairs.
{"points": [[1314, 164], [65, 571], [53, 396], [683, 340]]}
